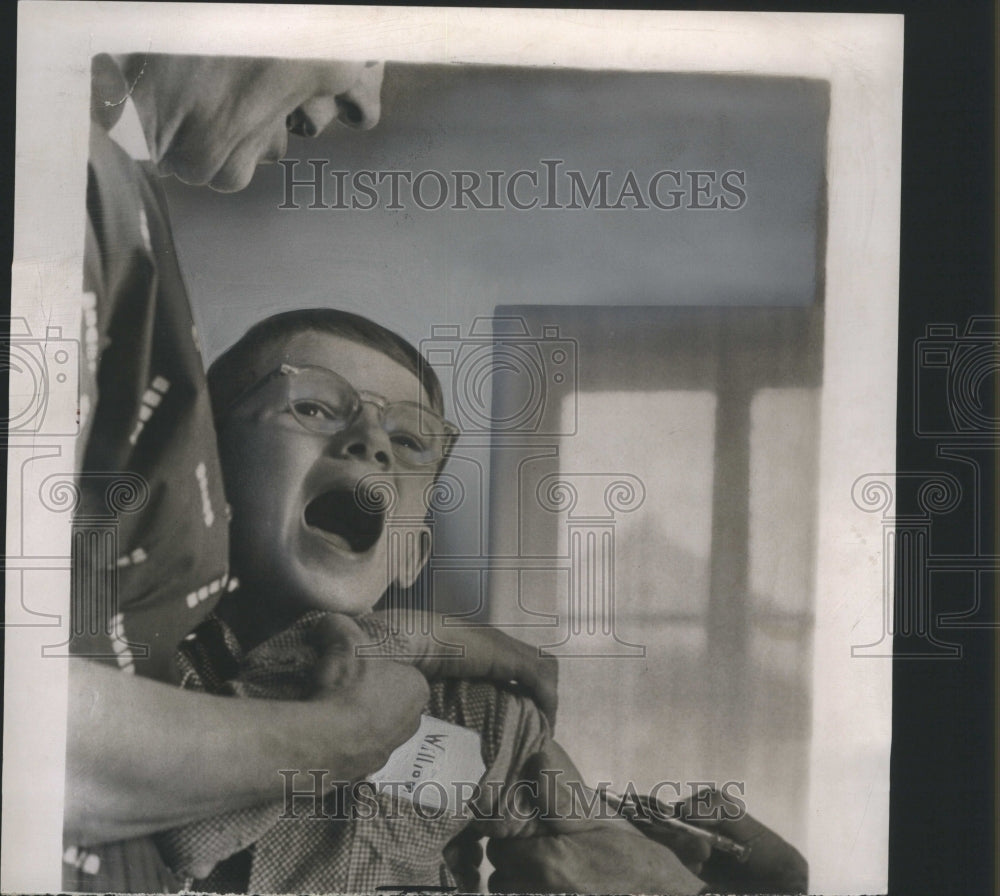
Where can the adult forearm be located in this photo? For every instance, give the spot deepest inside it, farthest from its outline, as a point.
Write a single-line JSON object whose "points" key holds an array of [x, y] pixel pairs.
{"points": [[144, 756]]}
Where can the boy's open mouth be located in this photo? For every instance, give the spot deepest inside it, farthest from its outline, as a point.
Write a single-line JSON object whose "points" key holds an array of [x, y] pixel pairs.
{"points": [[338, 516]]}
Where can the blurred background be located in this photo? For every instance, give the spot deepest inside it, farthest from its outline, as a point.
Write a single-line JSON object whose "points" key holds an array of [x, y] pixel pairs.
{"points": [[638, 388]]}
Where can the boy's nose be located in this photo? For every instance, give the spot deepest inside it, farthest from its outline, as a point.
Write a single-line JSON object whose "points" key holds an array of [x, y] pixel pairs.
{"points": [[365, 439]]}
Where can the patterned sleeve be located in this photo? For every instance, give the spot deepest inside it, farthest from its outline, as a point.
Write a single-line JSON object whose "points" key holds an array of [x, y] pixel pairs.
{"points": [[146, 430]]}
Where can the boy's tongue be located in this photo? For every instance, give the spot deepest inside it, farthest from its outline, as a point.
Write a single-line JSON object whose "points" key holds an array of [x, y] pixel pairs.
{"points": [[338, 516]]}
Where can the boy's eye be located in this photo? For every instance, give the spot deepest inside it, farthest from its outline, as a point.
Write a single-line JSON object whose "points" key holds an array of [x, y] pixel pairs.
{"points": [[314, 410], [409, 443]]}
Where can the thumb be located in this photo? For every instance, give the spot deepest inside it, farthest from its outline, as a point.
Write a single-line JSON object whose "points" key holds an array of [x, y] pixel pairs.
{"points": [[334, 633], [335, 637]]}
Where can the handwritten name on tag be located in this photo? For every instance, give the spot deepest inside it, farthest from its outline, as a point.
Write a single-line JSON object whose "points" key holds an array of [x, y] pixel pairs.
{"points": [[436, 769]]}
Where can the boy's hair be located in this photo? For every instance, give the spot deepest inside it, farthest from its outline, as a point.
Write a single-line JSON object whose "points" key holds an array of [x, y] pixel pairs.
{"points": [[239, 367]]}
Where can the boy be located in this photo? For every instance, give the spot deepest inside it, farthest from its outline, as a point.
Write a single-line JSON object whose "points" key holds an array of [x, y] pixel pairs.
{"points": [[318, 413]]}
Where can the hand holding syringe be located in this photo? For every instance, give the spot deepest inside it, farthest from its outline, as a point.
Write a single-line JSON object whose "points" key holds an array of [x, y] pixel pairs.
{"points": [[644, 810]]}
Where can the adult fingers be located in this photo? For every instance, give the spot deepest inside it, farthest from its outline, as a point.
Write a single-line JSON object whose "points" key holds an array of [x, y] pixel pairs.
{"points": [[773, 864], [692, 850], [522, 865], [538, 674], [463, 855], [541, 677]]}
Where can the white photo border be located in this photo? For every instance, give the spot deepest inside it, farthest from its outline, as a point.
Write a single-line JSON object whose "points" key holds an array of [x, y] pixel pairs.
{"points": [[862, 58]]}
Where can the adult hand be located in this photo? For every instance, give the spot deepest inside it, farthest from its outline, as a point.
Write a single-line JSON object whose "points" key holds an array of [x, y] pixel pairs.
{"points": [[572, 853], [482, 651], [380, 700], [773, 865]]}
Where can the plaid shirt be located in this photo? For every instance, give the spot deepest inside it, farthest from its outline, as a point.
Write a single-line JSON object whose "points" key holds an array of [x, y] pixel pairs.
{"points": [[398, 846]]}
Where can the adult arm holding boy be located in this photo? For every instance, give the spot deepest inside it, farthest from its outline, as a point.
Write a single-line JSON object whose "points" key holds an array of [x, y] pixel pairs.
{"points": [[144, 756]]}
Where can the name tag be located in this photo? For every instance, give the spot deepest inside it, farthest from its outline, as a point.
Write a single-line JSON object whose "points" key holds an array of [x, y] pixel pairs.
{"points": [[436, 769]]}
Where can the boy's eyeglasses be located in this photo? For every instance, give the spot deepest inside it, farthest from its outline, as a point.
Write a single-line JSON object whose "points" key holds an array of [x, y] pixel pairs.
{"points": [[325, 403]]}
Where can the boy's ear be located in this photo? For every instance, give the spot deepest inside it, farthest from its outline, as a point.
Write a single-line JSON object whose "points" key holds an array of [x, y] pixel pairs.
{"points": [[414, 551]]}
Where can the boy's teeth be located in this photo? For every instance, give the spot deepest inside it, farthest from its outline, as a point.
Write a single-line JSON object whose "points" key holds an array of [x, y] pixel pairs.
{"points": [[336, 540]]}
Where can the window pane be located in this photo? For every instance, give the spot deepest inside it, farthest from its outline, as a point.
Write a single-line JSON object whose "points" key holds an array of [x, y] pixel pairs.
{"points": [[661, 574], [664, 439], [783, 457]]}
